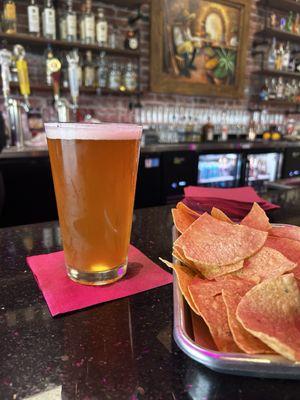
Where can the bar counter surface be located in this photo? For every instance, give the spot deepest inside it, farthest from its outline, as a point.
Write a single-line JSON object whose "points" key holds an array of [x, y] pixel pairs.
{"points": [[29, 152], [118, 350]]}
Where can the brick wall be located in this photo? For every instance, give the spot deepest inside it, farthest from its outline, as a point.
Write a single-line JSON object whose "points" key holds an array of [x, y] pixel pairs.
{"points": [[115, 108]]}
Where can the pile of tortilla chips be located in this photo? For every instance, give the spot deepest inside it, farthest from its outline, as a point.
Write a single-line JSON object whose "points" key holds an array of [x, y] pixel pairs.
{"points": [[241, 279]]}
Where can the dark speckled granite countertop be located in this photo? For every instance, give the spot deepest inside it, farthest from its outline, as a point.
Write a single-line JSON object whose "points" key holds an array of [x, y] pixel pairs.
{"points": [[114, 351]]}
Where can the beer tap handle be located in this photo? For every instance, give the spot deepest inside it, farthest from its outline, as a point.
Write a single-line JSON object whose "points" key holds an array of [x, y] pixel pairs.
{"points": [[22, 69], [73, 60], [5, 62]]}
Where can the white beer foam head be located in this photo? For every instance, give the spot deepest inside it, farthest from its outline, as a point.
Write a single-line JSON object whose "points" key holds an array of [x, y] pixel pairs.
{"points": [[102, 131]]}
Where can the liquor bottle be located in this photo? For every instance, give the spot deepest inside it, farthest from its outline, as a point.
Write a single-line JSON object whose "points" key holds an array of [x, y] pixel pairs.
{"points": [[282, 23], [82, 23], [286, 57], [208, 131], [101, 28], [33, 14], [279, 57], [114, 81], [289, 22], [71, 21], [296, 24], [273, 20], [131, 40], [63, 24], [272, 89], [280, 88], [264, 92], [49, 23], [89, 70], [272, 55], [9, 20], [294, 89], [102, 71], [130, 78], [288, 91], [89, 23]]}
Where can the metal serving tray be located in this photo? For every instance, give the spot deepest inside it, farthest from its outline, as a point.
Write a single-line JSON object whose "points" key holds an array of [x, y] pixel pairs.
{"points": [[263, 366]]}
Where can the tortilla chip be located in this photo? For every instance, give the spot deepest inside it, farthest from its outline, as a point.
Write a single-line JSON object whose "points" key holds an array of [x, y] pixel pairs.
{"points": [[213, 272], [289, 248], [271, 312], [184, 276], [219, 214], [182, 220], [178, 253], [183, 207], [288, 231], [202, 335], [245, 341], [211, 242], [266, 263], [257, 219], [213, 311]]}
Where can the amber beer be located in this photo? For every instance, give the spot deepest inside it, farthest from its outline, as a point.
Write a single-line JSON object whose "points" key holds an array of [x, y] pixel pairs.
{"points": [[94, 168]]}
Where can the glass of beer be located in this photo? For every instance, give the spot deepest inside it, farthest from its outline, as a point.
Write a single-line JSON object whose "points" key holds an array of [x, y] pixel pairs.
{"points": [[94, 169]]}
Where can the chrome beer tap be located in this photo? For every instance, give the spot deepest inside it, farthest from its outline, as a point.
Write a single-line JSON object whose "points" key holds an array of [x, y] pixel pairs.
{"points": [[61, 104], [14, 120]]}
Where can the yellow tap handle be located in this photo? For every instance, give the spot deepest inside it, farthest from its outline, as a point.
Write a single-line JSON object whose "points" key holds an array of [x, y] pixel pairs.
{"points": [[22, 69]]}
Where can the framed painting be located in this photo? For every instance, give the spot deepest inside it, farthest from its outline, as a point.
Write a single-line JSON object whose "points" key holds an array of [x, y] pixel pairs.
{"points": [[199, 47]]}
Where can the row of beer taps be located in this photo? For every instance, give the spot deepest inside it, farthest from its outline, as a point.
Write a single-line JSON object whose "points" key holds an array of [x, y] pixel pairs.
{"points": [[15, 107]]}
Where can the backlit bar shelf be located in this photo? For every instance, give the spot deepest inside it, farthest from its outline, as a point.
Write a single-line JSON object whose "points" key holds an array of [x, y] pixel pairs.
{"points": [[20, 38]]}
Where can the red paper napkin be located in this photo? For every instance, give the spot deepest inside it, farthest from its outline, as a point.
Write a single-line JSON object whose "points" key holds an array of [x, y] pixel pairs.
{"points": [[235, 202], [242, 194], [63, 295]]}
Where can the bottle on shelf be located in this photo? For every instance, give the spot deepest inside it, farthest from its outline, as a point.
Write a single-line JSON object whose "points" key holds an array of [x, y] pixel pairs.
{"points": [[279, 57], [264, 92], [71, 22], [282, 23], [62, 23], [288, 92], [272, 55], [82, 23], [131, 40], [89, 23], [280, 88], [114, 79], [113, 37], [296, 24], [49, 22], [130, 78], [286, 57], [33, 14], [89, 73], [208, 131], [289, 22], [273, 21], [102, 72], [9, 19], [272, 89], [294, 89], [101, 28]]}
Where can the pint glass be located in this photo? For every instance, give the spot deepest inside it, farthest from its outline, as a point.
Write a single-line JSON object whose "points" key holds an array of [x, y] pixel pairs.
{"points": [[94, 168]]}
